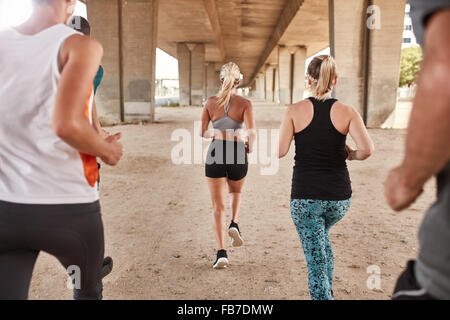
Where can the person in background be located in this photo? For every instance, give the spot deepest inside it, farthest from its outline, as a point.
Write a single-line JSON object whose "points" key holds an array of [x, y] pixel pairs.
{"points": [[321, 189]]}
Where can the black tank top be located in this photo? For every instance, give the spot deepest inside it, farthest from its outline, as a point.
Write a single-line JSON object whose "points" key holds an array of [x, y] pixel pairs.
{"points": [[320, 170]]}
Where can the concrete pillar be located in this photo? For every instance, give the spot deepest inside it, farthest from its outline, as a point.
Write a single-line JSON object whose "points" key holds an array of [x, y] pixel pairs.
{"points": [[212, 80], [276, 93], [128, 33], [184, 71], [284, 67], [298, 76], [384, 57], [261, 86], [368, 60], [103, 17], [191, 60], [269, 83], [139, 43], [197, 74]]}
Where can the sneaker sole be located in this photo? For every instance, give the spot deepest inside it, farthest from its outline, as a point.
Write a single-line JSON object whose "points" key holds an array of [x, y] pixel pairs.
{"points": [[222, 263], [236, 237]]}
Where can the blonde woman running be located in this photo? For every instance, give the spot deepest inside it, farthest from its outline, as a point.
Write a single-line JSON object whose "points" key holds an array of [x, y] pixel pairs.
{"points": [[226, 162], [321, 190]]}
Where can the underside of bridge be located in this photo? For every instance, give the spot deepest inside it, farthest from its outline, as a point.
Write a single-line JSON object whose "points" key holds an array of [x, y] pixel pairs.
{"points": [[269, 39]]}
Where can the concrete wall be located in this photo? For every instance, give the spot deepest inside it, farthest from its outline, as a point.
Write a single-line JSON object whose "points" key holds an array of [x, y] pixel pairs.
{"points": [[384, 57], [212, 80], [191, 62], [298, 77], [269, 83], [104, 19], [127, 30], [284, 67], [139, 24], [368, 60]]}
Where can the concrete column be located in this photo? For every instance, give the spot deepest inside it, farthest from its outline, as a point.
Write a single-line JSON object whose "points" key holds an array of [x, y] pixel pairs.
{"points": [[191, 59], [349, 34], [368, 60], [128, 33], [384, 57], [139, 43], [269, 83], [212, 80], [104, 20], [285, 67], [276, 93], [197, 73], [261, 86], [298, 77], [184, 71]]}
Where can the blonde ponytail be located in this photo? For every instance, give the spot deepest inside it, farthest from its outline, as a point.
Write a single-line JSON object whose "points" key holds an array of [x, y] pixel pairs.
{"points": [[230, 76], [321, 73]]}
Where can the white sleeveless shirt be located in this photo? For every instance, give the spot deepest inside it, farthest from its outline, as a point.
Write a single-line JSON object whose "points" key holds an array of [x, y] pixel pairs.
{"points": [[36, 166]]}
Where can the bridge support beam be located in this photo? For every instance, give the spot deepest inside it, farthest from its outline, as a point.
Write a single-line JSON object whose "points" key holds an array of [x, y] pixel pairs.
{"points": [[128, 32], [191, 60], [291, 64], [368, 59]]}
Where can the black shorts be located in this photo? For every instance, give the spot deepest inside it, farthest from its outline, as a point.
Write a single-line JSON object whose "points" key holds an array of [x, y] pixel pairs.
{"points": [[73, 233], [226, 159]]}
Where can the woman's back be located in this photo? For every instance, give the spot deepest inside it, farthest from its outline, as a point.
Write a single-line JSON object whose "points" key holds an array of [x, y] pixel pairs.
{"points": [[320, 170]]}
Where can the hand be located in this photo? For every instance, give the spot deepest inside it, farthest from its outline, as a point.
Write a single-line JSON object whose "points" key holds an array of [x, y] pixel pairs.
{"points": [[115, 150], [104, 134], [399, 194], [350, 152]]}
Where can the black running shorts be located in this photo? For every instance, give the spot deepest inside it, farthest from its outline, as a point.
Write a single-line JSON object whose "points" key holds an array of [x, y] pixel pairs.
{"points": [[226, 159]]}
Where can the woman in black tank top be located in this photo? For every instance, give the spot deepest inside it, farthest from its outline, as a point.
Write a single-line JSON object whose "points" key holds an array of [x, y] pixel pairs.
{"points": [[321, 189]]}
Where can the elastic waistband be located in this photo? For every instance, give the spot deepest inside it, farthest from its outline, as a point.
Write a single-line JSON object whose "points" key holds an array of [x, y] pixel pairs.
{"points": [[68, 209]]}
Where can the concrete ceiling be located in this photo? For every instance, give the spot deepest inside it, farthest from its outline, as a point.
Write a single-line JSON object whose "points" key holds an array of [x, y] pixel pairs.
{"points": [[244, 31], [250, 30]]}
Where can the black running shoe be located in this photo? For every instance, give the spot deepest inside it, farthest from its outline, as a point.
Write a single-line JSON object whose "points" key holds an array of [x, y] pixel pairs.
{"points": [[222, 260], [107, 266], [235, 234]]}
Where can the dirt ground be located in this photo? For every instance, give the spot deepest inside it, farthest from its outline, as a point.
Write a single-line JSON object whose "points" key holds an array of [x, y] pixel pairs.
{"points": [[157, 219]]}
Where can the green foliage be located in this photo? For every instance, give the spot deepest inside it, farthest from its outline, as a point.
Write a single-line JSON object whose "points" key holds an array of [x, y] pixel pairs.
{"points": [[410, 65], [171, 104]]}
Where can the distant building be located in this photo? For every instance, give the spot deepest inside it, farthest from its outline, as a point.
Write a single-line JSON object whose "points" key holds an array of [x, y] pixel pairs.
{"points": [[409, 40]]}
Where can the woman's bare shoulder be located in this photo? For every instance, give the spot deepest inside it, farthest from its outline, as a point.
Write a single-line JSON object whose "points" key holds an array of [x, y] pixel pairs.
{"points": [[343, 108], [300, 106]]}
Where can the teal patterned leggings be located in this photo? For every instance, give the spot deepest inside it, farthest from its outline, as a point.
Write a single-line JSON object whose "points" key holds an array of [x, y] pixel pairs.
{"points": [[313, 220]]}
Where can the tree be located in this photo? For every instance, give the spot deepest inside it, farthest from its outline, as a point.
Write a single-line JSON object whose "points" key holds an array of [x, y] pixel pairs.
{"points": [[410, 65]]}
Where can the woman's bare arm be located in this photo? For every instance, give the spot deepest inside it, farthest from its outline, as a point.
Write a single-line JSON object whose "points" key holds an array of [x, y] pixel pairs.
{"points": [[286, 133], [249, 120], [358, 131], [206, 119]]}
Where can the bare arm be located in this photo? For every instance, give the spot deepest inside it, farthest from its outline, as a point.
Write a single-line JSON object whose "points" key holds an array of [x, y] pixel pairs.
{"points": [[206, 119], [96, 122], [80, 57], [286, 134], [428, 139], [249, 120], [358, 131]]}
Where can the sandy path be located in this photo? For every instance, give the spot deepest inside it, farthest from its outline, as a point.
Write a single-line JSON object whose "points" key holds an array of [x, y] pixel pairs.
{"points": [[158, 225]]}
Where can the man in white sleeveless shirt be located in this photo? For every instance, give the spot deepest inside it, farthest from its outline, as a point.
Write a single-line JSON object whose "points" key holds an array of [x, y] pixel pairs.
{"points": [[48, 149]]}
